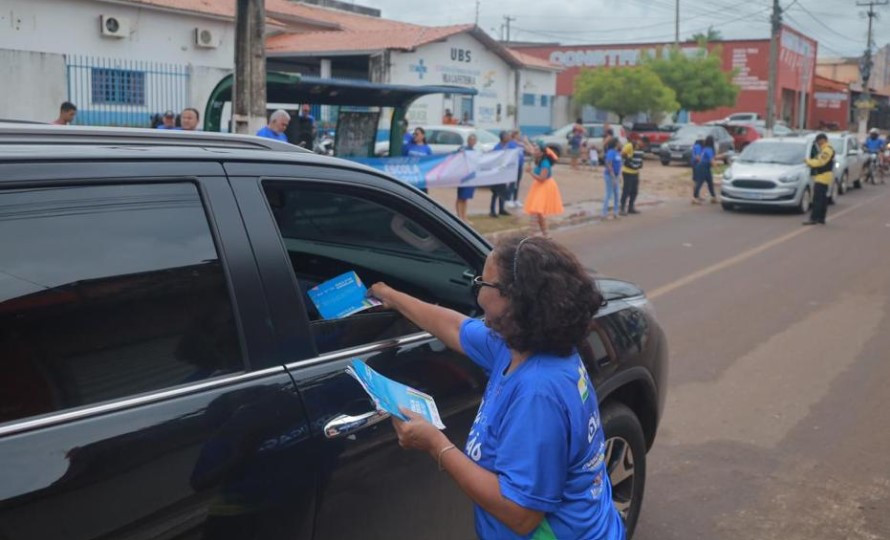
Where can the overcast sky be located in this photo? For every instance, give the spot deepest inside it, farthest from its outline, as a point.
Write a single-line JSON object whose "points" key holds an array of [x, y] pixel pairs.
{"points": [[838, 25]]}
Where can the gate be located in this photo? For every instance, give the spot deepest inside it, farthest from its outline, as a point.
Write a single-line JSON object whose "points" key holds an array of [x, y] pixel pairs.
{"points": [[119, 92]]}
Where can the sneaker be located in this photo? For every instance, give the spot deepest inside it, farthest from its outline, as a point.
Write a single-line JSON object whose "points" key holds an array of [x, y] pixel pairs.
{"points": [[713, 200], [810, 222], [632, 211], [622, 213], [696, 201], [505, 213], [492, 214]]}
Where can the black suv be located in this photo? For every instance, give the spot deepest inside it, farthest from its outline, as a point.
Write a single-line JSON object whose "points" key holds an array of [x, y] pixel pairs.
{"points": [[165, 376]]}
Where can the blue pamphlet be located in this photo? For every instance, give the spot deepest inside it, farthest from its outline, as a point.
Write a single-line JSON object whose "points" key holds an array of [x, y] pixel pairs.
{"points": [[389, 395], [341, 297]]}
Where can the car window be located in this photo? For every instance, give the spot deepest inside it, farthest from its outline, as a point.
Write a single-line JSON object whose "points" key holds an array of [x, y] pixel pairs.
{"points": [[448, 137], [486, 137], [595, 131], [854, 144], [779, 152], [327, 233], [107, 292]]}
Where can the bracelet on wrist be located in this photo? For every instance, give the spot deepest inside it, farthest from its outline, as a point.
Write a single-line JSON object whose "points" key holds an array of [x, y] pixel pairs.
{"points": [[441, 453]]}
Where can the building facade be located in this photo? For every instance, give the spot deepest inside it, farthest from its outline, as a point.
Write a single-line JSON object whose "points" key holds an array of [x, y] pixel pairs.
{"points": [[119, 62], [749, 59]]}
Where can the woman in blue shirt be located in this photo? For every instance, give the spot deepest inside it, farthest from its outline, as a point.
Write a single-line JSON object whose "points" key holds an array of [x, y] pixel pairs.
{"points": [[534, 460], [703, 172], [418, 146]]}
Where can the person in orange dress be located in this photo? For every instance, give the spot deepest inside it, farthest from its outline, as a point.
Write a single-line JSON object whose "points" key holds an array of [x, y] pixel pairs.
{"points": [[543, 197]]}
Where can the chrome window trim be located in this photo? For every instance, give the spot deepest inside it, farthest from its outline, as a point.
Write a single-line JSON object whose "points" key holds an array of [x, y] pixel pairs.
{"points": [[409, 339], [71, 415]]}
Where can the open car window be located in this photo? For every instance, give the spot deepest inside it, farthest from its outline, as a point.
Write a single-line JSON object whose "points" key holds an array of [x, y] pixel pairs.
{"points": [[327, 233]]}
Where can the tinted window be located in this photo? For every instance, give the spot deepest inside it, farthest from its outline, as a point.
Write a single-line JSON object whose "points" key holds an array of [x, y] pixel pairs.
{"points": [[107, 292], [448, 137], [327, 233]]}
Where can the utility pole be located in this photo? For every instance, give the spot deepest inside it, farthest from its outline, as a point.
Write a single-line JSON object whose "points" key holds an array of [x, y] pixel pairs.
{"points": [[776, 22], [507, 22], [677, 25], [477, 12], [249, 99], [865, 65]]}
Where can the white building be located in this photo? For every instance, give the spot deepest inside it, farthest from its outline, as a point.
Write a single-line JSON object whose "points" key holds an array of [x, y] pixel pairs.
{"points": [[119, 62], [514, 90], [122, 61]]}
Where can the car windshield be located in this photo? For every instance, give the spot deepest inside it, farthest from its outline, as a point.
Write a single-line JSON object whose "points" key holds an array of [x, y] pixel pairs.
{"points": [[563, 131], [837, 143], [692, 133], [782, 153], [486, 137]]}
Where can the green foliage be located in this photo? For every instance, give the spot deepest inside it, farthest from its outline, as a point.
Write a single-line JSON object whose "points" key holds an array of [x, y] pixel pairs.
{"points": [[699, 82], [624, 91], [703, 38]]}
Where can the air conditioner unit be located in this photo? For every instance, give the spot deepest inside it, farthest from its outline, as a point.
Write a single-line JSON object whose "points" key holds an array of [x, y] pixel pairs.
{"points": [[113, 26], [205, 38]]}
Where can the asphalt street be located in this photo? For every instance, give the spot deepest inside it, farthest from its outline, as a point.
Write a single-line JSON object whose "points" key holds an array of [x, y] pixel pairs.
{"points": [[776, 422]]}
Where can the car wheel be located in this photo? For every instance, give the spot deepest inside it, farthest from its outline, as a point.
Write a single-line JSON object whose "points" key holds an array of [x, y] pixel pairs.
{"points": [[727, 206], [665, 162], [625, 458], [844, 186], [805, 201]]}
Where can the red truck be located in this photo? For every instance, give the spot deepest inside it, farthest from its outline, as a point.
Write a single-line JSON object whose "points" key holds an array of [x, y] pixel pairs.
{"points": [[650, 137]]}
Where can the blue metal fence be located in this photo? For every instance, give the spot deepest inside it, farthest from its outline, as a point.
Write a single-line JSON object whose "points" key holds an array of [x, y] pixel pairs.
{"points": [[120, 92]]}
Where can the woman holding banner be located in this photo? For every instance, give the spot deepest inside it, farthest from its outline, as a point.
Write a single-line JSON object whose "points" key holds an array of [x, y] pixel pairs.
{"points": [[465, 193], [543, 197]]}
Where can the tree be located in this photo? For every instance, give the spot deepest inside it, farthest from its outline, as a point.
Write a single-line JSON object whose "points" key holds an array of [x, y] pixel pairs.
{"points": [[698, 80], [624, 91], [704, 38]]}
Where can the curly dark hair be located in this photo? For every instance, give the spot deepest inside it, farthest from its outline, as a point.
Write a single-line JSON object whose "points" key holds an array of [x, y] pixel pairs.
{"points": [[552, 298]]}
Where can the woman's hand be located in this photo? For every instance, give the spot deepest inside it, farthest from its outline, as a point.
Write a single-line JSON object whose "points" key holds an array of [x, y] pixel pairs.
{"points": [[381, 291], [418, 434]]}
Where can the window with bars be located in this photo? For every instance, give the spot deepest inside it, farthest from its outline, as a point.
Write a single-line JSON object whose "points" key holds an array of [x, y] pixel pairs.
{"points": [[544, 101], [118, 86], [528, 100]]}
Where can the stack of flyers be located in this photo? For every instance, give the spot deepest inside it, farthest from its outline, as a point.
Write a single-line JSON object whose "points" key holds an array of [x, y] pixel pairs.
{"points": [[389, 395], [341, 296]]}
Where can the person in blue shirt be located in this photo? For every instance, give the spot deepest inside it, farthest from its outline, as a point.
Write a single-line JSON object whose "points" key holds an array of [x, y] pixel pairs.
{"points": [[704, 174], [168, 121], [418, 146], [278, 122], [612, 179], [534, 461], [464, 194], [874, 144], [501, 192]]}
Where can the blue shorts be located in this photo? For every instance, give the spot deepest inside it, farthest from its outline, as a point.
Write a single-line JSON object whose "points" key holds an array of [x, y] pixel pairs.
{"points": [[465, 193]]}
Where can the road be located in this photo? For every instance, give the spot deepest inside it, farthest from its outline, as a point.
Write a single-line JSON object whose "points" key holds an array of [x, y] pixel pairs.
{"points": [[776, 422]]}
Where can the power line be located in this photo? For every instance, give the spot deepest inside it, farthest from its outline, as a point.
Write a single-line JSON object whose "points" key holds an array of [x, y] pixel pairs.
{"points": [[823, 25]]}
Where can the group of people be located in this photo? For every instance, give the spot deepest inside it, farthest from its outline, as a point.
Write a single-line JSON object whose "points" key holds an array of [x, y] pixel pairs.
{"points": [[620, 164], [543, 198], [450, 120], [188, 120], [281, 119]]}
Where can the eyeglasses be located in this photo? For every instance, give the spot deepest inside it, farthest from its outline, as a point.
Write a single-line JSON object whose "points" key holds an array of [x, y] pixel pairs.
{"points": [[478, 283]]}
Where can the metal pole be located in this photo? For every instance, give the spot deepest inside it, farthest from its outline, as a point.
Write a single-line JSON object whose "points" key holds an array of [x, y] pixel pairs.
{"points": [[776, 21], [677, 24]]}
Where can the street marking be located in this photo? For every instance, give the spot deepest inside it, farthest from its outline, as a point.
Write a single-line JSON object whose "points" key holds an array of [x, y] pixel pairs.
{"points": [[745, 255]]}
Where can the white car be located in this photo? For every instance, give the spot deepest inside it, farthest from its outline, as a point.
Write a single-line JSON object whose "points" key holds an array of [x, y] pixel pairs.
{"points": [[445, 139], [772, 172], [558, 140], [849, 162]]}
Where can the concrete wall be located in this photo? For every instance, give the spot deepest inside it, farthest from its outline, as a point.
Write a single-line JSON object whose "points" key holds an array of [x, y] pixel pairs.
{"points": [[72, 27], [536, 93], [34, 87], [462, 61]]}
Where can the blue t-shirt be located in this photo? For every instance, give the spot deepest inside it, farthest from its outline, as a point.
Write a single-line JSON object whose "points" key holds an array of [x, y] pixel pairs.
{"points": [[416, 150], [696, 153], [269, 134], [707, 156], [538, 429], [874, 145], [613, 161], [407, 139], [544, 164]]}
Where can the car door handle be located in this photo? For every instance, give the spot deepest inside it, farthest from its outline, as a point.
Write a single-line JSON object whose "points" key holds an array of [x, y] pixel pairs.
{"points": [[345, 424]]}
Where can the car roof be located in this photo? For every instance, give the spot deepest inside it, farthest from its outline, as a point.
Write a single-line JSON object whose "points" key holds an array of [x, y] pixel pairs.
{"points": [[48, 134], [794, 139], [452, 127]]}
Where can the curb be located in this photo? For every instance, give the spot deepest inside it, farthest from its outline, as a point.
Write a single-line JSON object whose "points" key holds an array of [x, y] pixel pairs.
{"points": [[575, 217]]}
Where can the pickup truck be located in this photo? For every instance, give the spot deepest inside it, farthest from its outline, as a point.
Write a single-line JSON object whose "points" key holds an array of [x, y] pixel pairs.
{"points": [[649, 137]]}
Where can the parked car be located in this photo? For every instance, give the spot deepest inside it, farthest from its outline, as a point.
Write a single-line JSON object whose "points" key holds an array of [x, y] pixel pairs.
{"points": [[166, 376], [850, 161], [649, 137], [445, 139], [745, 117], [558, 140], [772, 172], [679, 146], [742, 135]]}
